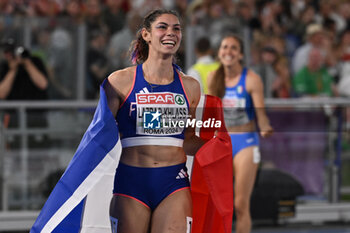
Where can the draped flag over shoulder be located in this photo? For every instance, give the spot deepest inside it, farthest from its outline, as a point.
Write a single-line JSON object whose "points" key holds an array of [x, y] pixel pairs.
{"points": [[212, 175], [75, 203]]}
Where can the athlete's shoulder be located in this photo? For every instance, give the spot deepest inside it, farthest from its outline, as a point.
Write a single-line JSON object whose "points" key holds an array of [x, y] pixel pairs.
{"points": [[190, 81], [123, 75], [253, 81], [122, 80], [251, 74], [192, 88]]}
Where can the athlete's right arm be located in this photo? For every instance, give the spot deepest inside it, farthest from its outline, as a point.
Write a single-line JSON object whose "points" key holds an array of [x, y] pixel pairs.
{"points": [[117, 88]]}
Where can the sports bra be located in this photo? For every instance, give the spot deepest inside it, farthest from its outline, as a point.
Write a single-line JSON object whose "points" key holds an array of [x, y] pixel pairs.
{"points": [[151, 114], [237, 103]]}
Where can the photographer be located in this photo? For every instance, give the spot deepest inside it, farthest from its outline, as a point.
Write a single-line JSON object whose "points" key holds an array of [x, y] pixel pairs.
{"points": [[22, 76]]}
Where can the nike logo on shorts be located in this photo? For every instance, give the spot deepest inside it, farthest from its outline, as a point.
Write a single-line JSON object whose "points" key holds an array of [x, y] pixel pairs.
{"points": [[250, 140]]}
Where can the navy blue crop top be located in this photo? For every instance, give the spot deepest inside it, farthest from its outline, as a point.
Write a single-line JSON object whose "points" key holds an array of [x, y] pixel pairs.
{"points": [[151, 113]]}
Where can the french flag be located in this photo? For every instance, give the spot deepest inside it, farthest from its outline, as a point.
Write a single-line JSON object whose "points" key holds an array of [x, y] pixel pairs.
{"points": [[80, 200]]}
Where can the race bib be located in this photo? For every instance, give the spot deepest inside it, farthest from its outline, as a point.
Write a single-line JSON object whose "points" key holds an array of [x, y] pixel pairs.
{"points": [[234, 111], [161, 113]]}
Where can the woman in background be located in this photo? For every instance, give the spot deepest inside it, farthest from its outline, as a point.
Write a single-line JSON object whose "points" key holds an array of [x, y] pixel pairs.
{"points": [[241, 91]]}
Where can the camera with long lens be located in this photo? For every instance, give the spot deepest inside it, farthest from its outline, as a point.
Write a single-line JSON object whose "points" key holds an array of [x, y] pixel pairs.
{"points": [[22, 52], [8, 46]]}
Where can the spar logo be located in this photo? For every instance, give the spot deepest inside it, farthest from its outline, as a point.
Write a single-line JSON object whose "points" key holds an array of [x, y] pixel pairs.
{"points": [[157, 98], [151, 120]]}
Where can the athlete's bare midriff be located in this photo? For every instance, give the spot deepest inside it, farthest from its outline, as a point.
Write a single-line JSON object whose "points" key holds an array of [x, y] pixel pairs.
{"points": [[248, 127], [153, 156]]}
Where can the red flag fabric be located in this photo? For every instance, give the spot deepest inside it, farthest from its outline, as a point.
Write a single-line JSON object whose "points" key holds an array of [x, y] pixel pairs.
{"points": [[212, 176]]}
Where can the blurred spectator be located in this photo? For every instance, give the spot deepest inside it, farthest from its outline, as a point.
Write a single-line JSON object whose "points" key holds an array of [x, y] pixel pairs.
{"points": [[344, 64], [49, 54], [23, 77], [330, 48], [144, 6], [75, 10], [61, 64], [218, 22], [215, 21], [268, 56], [278, 43], [41, 44], [93, 16], [205, 63], [330, 26], [344, 12], [315, 38], [344, 70], [118, 48], [283, 13], [12, 7], [302, 20], [281, 85], [196, 12], [97, 64], [269, 21], [113, 15], [246, 15], [314, 79], [297, 7], [44, 8], [328, 12], [6, 7], [180, 6]]}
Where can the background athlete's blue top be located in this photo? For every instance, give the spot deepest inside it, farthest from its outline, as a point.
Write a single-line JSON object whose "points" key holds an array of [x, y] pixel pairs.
{"points": [[237, 103]]}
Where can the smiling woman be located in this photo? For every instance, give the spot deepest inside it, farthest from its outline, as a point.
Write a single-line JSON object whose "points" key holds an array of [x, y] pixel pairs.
{"points": [[166, 33], [147, 195], [241, 91]]}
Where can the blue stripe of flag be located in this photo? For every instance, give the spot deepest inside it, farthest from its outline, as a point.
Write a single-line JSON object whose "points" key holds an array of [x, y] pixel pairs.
{"points": [[99, 139]]}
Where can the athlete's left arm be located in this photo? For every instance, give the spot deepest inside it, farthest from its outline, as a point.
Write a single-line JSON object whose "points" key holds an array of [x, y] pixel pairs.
{"points": [[192, 143], [256, 89]]}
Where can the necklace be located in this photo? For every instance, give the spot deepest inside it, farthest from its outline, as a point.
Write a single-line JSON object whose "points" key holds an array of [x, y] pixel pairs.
{"points": [[152, 86]]}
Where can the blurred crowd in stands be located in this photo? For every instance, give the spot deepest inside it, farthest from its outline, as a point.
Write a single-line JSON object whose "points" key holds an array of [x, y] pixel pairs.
{"points": [[298, 47]]}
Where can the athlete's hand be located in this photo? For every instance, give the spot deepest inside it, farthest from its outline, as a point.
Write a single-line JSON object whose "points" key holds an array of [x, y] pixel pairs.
{"points": [[266, 131]]}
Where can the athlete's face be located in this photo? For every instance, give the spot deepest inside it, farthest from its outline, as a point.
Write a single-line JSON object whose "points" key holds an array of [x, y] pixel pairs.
{"points": [[165, 35], [230, 51]]}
